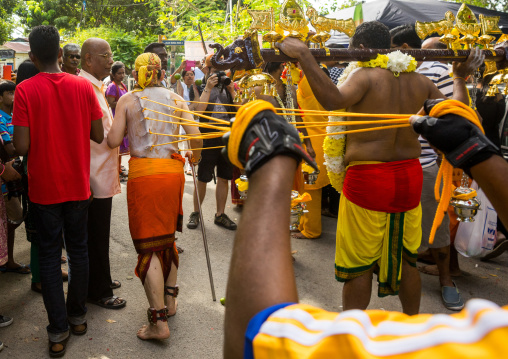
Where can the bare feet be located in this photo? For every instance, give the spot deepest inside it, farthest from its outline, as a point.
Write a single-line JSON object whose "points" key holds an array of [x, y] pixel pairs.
{"points": [[171, 304], [159, 331], [429, 269], [299, 235]]}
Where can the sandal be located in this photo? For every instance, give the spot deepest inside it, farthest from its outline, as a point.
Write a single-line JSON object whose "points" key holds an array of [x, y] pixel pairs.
{"points": [[113, 302], [58, 353], [115, 284], [174, 293], [79, 329], [22, 269]]}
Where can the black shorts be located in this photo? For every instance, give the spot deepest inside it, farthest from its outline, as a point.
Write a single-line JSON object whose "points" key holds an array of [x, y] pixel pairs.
{"points": [[209, 160]]}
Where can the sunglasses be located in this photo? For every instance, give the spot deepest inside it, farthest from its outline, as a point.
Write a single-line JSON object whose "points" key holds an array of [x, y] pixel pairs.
{"points": [[74, 56]]}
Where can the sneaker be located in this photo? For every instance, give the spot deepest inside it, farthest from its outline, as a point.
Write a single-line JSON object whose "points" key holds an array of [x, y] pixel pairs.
{"points": [[224, 221], [452, 298], [5, 321], [1, 346], [193, 220]]}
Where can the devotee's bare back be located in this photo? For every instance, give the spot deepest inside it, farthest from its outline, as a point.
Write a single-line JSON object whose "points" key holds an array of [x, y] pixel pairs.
{"points": [[388, 94]]}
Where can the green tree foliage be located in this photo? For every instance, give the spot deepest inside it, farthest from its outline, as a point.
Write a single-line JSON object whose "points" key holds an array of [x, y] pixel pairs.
{"points": [[499, 5], [6, 20], [70, 15], [180, 18]]}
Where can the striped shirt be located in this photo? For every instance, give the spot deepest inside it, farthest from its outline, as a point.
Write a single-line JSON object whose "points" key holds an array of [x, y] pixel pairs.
{"points": [[439, 74], [302, 331]]}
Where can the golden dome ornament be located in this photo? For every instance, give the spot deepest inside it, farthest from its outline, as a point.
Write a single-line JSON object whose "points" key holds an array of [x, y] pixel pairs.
{"points": [[256, 78], [292, 19], [468, 26]]}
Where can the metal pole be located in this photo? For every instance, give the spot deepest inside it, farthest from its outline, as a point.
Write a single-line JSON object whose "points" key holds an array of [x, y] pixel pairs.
{"points": [[202, 39], [205, 243]]}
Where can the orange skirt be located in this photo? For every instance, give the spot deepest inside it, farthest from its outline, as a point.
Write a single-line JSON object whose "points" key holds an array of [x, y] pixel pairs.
{"points": [[154, 202]]}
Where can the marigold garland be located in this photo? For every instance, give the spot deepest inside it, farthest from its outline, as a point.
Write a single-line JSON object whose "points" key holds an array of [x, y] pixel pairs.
{"points": [[396, 62]]}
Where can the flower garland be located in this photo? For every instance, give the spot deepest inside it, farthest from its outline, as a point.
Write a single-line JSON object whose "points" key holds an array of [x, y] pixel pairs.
{"points": [[335, 146], [396, 62]]}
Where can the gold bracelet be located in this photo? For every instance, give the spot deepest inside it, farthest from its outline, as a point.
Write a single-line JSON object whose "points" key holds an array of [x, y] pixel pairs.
{"points": [[458, 77]]}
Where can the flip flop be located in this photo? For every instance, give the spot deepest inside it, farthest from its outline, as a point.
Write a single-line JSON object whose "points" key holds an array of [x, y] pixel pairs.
{"points": [[452, 298], [109, 302], [22, 269], [497, 251], [115, 284]]}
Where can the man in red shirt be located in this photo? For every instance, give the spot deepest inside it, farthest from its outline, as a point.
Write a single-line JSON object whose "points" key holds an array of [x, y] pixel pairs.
{"points": [[55, 115]]}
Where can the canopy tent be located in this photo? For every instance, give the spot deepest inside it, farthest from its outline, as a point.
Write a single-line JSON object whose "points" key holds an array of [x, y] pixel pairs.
{"points": [[393, 13]]}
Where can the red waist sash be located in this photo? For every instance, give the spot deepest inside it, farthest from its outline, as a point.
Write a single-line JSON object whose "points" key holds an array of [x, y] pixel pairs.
{"points": [[390, 187]]}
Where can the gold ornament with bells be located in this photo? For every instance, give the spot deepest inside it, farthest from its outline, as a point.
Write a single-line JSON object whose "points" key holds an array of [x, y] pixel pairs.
{"points": [[252, 79], [464, 201]]}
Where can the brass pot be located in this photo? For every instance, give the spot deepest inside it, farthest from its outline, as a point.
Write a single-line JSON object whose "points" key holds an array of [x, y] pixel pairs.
{"points": [[465, 210], [243, 194]]}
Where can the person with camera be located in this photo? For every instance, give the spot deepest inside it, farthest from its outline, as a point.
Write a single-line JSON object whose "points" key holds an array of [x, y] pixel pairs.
{"points": [[219, 92]]}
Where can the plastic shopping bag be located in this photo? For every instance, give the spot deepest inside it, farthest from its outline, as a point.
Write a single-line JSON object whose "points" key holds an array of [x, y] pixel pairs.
{"points": [[477, 239]]}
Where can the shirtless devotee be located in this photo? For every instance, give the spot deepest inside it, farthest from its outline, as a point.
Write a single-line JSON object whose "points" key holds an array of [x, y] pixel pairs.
{"points": [[155, 185], [379, 221]]}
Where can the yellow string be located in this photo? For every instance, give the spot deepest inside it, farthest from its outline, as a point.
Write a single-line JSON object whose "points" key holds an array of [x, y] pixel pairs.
{"points": [[188, 111], [357, 131], [445, 173], [189, 123], [201, 149], [317, 112]]}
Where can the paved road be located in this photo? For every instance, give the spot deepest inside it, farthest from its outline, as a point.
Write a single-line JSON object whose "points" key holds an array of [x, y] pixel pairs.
{"points": [[196, 330]]}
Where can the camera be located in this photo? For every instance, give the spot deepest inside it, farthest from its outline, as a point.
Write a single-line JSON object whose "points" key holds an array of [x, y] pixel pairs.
{"points": [[222, 79]]}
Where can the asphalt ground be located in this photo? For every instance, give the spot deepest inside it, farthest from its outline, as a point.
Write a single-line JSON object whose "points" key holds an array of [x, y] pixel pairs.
{"points": [[197, 328]]}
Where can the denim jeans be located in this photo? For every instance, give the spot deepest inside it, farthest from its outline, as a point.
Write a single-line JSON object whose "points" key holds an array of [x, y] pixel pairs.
{"points": [[50, 220]]}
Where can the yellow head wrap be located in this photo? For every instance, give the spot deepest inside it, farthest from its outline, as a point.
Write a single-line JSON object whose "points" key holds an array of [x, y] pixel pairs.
{"points": [[146, 66]]}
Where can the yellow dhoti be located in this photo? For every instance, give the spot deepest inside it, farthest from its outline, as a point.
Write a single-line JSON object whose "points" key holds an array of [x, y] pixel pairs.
{"points": [[365, 236]]}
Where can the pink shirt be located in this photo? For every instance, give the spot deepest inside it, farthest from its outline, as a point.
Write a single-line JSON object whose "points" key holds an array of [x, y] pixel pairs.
{"points": [[104, 178]]}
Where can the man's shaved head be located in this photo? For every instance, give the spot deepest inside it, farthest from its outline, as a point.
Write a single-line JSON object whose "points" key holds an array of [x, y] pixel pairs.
{"points": [[97, 57], [433, 43]]}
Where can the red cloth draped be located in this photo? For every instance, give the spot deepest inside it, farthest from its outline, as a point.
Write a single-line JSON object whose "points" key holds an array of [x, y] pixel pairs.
{"points": [[389, 187]]}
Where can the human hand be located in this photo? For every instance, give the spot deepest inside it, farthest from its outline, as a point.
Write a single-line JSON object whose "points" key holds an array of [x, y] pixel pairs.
{"points": [[462, 143], [212, 82], [266, 136], [473, 62], [292, 47], [10, 174], [190, 157], [183, 65], [504, 63]]}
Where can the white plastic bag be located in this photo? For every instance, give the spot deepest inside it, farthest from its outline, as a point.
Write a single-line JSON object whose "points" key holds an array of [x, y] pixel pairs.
{"points": [[477, 239]]}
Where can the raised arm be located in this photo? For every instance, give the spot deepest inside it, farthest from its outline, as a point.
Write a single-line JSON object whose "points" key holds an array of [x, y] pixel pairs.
{"points": [[117, 131], [328, 95], [461, 70], [189, 130]]}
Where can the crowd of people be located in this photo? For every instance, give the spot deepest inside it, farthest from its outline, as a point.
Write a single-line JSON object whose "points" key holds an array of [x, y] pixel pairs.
{"points": [[68, 202]]}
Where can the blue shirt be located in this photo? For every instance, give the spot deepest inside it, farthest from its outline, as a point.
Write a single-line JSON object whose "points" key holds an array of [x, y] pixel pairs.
{"points": [[6, 127]]}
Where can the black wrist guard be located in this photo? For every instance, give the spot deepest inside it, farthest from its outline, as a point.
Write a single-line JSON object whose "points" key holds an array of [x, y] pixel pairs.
{"points": [[268, 135], [463, 144]]}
